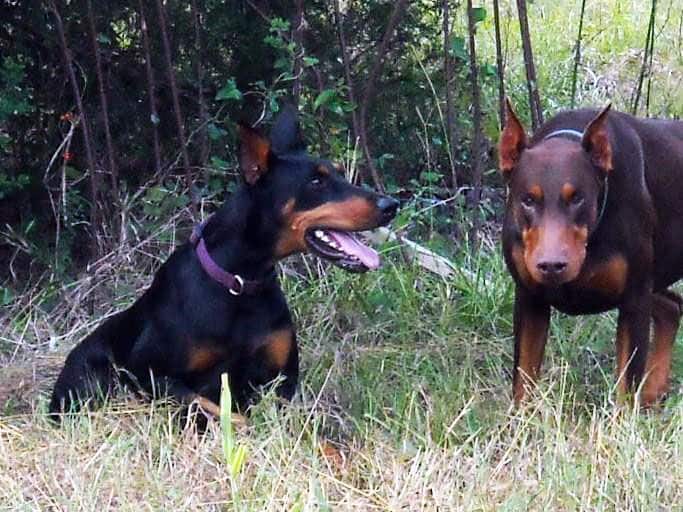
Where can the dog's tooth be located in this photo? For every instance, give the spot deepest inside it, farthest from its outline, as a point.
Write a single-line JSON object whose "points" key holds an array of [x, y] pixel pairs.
{"points": [[319, 233]]}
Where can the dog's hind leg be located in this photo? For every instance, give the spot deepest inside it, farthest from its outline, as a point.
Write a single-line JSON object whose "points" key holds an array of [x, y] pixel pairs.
{"points": [[87, 374], [667, 307]]}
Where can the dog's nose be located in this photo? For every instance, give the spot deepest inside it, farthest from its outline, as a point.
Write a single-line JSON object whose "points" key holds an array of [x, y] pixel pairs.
{"points": [[552, 268], [387, 207]]}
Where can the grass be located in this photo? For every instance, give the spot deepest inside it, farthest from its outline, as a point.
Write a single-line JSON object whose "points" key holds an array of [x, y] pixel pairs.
{"points": [[403, 405]]}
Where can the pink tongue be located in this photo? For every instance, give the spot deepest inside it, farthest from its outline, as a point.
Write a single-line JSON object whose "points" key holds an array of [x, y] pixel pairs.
{"points": [[350, 245]]}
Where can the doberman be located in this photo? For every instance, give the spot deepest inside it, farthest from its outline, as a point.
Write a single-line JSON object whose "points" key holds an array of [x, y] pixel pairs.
{"points": [[216, 305], [594, 221]]}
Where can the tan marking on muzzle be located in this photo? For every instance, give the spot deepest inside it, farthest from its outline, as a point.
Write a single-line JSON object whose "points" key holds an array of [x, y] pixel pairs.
{"points": [[355, 214], [554, 241]]}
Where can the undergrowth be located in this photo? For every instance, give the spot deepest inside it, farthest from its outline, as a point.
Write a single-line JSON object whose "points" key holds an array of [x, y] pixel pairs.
{"points": [[404, 404]]}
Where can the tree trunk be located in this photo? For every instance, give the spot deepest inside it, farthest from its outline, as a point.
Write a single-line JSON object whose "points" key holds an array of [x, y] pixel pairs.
{"points": [[370, 84], [500, 65], [153, 113], [95, 213], [176, 105], [531, 80], [476, 136], [450, 109]]}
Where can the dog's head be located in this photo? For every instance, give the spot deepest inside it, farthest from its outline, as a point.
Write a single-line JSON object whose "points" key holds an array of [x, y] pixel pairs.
{"points": [[315, 208], [555, 195]]}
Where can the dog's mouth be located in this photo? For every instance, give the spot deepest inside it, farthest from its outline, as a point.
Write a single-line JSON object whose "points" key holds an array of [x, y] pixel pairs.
{"points": [[342, 248]]}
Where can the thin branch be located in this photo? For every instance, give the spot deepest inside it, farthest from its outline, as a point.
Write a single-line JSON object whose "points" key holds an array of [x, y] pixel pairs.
{"points": [[103, 104], [153, 113], [477, 136], [347, 70], [500, 64], [646, 67], [577, 54], [94, 176], [298, 39], [452, 137], [531, 80], [371, 82], [199, 56]]}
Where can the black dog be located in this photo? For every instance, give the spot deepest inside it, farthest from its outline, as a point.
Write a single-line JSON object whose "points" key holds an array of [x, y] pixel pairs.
{"points": [[216, 305], [595, 222]]}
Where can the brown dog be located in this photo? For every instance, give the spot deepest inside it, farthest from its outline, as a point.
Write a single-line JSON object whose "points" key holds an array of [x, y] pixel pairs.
{"points": [[594, 222]]}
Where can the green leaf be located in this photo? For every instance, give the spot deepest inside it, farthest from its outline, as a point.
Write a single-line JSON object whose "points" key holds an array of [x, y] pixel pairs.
{"points": [[6, 296], [324, 98], [478, 14], [458, 48], [103, 38], [430, 177], [238, 458], [219, 163], [229, 92], [228, 439], [215, 132], [310, 61], [489, 70]]}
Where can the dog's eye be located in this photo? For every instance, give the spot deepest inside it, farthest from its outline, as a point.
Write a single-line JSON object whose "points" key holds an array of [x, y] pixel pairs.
{"points": [[576, 199], [529, 201], [316, 181]]}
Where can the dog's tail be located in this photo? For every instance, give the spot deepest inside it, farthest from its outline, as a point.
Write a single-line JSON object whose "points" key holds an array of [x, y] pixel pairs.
{"points": [[88, 374]]}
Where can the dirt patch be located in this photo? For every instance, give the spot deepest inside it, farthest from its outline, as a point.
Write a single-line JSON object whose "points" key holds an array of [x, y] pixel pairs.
{"points": [[22, 382]]}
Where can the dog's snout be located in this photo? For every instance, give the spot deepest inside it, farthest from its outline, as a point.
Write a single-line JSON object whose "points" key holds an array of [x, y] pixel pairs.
{"points": [[552, 267], [387, 207]]}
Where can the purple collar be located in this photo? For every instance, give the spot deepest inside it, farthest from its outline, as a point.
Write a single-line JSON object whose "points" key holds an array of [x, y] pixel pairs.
{"points": [[235, 284]]}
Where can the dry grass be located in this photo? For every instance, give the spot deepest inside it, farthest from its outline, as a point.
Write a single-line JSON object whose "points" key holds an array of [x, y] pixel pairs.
{"points": [[404, 405]]}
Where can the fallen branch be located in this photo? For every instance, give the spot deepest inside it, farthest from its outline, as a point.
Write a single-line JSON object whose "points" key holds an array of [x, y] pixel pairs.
{"points": [[414, 252]]}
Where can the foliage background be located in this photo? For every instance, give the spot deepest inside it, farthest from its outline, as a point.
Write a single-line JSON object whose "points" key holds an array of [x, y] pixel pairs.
{"points": [[242, 60]]}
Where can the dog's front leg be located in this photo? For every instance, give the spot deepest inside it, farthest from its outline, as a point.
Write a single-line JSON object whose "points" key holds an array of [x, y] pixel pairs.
{"points": [[531, 334], [633, 337]]}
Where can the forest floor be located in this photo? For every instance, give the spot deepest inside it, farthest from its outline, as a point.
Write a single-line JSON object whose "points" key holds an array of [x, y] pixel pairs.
{"points": [[404, 404]]}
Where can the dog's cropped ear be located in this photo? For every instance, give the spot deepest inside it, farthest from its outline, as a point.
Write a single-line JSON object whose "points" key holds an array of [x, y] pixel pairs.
{"points": [[596, 141], [285, 136], [512, 140], [254, 153]]}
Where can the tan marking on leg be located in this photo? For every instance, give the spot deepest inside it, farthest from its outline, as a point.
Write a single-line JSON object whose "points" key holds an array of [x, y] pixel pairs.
{"points": [[666, 314], [533, 336], [277, 347], [623, 347], [202, 358], [211, 408]]}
